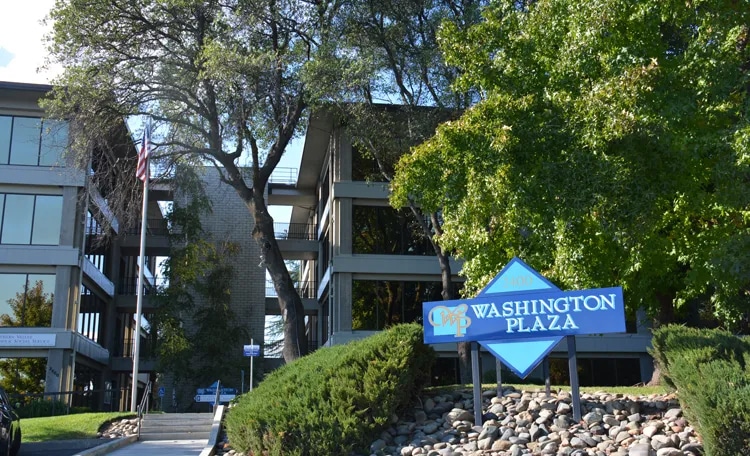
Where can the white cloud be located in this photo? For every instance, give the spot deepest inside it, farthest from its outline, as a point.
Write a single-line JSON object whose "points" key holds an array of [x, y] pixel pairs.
{"points": [[21, 35]]}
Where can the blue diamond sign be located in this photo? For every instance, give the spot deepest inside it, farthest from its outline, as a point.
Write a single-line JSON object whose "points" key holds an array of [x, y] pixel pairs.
{"points": [[520, 316]]}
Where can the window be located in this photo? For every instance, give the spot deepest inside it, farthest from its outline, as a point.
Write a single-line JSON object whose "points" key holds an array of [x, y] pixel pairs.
{"points": [[32, 141], [30, 219], [90, 315], [380, 304], [387, 231], [26, 299]]}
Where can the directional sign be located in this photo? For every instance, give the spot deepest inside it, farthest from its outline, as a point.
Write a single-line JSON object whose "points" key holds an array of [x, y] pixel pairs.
{"points": [[212, 390], [162, 391], [251, 350], [212, 397]]}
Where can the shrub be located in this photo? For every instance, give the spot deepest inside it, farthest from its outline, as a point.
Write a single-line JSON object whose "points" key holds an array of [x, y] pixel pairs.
{"points": [[672, 339], [334, 400], [709, 369], [40, 407]]}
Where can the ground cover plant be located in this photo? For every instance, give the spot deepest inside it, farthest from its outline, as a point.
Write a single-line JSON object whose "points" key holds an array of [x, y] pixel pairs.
{"points": [[63, 427], [709, 369], [334, 400]]}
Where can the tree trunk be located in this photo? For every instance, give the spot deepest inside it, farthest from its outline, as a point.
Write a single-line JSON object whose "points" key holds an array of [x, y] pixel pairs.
{"points": [[464, 348], [290, 303]]}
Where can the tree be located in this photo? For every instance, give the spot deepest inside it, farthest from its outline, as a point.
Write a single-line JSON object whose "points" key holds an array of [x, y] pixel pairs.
{"points": [[610, 147], [32, 308], [224, 82], [396, 59]]}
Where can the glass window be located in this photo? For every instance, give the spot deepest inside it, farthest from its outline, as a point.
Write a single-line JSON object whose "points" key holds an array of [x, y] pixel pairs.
{"points": [[24, 148], [377, 305], [31, 219], [17, 217], [54, 142], [387, 231], [47, 219], [5, 125], [26, 299], [10, 286]]}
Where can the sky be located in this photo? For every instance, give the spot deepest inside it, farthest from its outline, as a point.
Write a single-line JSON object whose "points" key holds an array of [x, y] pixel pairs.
{"points": [[22, 50]]}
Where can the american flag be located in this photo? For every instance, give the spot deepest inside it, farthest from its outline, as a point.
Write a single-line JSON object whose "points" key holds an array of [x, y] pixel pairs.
{"points": [[141, 171]]}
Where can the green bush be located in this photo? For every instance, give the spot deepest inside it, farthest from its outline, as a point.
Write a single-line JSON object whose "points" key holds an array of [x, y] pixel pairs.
{"points": [[334, 400], [672, 339], [40, 407], [709, 369]]}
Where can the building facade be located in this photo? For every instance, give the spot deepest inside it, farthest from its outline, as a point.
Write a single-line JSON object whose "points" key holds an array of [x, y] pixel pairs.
{"points": [[68, 269], [366, 266]]}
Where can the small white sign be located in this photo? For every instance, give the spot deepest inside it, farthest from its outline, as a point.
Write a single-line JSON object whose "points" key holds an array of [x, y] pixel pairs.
{"points": [[212, 397], [27, 340]]}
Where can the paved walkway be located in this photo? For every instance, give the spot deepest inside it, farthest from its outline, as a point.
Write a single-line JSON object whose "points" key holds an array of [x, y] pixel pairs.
{"points": [[162, 448], [58, 447]]}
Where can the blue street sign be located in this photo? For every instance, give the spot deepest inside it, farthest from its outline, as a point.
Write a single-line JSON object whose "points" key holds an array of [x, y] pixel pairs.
{"points": [[520, 316], [525, 315], [162, 391], [251, 350]]}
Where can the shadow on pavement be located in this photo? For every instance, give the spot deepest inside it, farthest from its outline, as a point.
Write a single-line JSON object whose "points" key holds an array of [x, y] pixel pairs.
{"points": [[59, 447]]}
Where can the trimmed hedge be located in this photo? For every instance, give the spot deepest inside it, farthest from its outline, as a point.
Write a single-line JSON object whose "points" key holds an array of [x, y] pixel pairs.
{"points": [[334, 400], [710, 370]]}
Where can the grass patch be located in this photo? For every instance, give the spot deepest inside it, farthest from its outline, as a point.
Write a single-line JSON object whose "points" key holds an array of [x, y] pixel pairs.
{"points": [[65, 427]]}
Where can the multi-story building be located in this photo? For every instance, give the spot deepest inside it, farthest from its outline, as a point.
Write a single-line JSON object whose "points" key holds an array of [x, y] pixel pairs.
{"points": [[61, 247], [366, 265]]}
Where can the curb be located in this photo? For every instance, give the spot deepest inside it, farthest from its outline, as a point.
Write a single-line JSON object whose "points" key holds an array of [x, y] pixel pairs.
{"points": [[213, 438], [108, 447]]}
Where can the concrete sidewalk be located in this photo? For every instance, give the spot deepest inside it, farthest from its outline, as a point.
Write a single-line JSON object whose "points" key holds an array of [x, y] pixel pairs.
{"points": [[154, 447]]}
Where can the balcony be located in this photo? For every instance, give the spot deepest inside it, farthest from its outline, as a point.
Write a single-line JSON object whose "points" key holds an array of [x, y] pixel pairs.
{"points": [[297, 241], [283, 189], [306, 290], [284, 176], [126, 299], [154, 227], [157, 238]]}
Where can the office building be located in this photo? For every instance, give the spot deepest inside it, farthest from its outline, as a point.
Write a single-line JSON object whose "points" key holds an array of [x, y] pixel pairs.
{"points": [[68, 269], [366, 266]]}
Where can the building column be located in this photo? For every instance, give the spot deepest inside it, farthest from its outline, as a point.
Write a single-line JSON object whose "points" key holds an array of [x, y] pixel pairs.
{"points": [[341, 312], [60, 369]]}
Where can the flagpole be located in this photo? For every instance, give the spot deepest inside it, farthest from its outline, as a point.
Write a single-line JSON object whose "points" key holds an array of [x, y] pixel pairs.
{"points": [[142, 173], [139, 299]]}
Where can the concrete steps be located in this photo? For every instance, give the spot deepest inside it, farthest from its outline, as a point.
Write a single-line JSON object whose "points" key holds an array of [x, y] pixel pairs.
{"points": [[176, 426]]}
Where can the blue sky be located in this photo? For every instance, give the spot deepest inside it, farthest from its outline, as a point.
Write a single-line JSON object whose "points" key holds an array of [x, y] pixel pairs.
{"points": [[21, 41]]}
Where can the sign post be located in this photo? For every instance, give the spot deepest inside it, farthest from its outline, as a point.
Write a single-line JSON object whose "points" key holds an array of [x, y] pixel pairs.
{"points": [[520, 317], [252, 351]]}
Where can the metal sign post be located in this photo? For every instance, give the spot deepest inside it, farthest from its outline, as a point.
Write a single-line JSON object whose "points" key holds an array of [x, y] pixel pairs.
{"points": [[252, 351]]}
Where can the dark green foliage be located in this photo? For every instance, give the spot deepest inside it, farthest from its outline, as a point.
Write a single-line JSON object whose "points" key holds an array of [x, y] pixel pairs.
{"points": [[709, 368], [714, 344], [44, 407], [334, 400]]}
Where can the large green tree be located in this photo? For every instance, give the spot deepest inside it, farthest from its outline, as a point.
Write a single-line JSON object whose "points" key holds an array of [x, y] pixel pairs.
{"points": [[226, 83], [31, 307], [610, 146]]}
